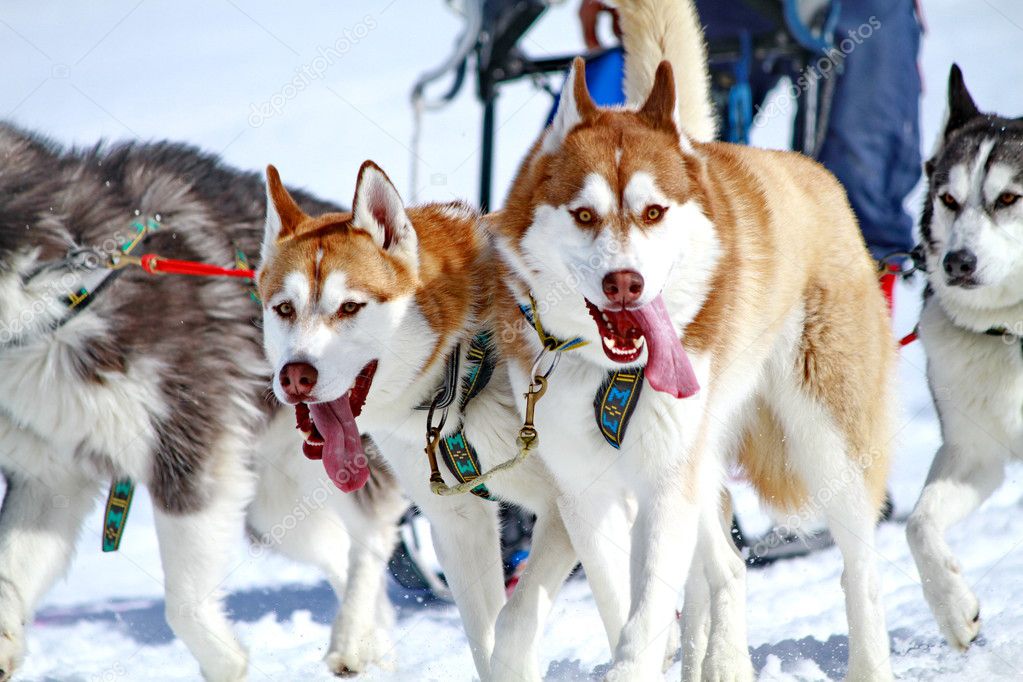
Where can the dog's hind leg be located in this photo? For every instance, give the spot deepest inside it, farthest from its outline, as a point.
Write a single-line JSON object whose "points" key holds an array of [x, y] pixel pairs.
{"points": [[520, 624], [39, 523], [959, 481], [193, 550], [844, 484]]}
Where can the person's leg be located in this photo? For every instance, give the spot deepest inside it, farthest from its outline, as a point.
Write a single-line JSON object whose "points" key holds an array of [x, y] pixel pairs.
{"points": [[872, 142]]}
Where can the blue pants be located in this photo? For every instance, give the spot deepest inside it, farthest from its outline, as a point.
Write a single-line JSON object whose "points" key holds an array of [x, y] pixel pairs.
{"points": [[872, 143]]}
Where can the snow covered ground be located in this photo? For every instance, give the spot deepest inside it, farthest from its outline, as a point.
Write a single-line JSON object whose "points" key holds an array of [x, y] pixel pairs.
{"points": [[205, 72]]}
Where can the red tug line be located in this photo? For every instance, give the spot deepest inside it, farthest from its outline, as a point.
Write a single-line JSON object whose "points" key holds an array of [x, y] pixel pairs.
{"points": [[157, 265]]}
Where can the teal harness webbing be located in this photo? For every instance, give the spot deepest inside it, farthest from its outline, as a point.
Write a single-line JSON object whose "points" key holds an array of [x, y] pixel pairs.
{"points": [[116, 514], [457, 452]]}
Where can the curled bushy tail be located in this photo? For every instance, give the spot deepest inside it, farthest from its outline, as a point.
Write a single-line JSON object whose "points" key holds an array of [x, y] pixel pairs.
{"points": [[655, 30]]}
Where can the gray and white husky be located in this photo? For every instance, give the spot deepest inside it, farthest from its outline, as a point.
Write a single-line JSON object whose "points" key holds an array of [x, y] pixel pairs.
{"points": [[972, 330], [160, 379]]}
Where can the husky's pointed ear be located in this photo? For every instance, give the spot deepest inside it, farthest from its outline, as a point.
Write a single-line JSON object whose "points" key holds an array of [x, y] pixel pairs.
{"points": [[378, 210], [575, 106], [961, 107], [661, 108], [282, 213]]}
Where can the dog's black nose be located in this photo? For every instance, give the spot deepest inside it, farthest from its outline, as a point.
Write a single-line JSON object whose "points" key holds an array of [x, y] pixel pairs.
{"points": [[960, 264]]}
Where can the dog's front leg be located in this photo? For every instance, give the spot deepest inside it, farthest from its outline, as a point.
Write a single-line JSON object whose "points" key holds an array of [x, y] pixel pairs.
{"points": [[598, 523], [959, 481], [38, 526], [361, 632], [519, 627], [465, 536], [663, 539]]}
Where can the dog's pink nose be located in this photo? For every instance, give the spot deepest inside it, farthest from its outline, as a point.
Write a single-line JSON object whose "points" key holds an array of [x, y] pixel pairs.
{"points": [[623, 287], [298, 380]]}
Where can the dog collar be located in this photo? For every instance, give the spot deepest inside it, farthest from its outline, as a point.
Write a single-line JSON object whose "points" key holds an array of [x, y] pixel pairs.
{"points": [[548, 341]]}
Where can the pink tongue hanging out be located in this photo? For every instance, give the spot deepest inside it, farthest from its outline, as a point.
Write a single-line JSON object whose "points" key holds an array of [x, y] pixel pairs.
{"points": [[667, 366], [343, 457]]}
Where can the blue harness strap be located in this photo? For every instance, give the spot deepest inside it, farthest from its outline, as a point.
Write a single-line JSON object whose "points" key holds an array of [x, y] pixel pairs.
{"points": [[615, 402]]}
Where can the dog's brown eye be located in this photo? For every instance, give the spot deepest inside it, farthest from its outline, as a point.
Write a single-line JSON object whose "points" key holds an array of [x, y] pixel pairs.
{"points": [[949, 201], [654, 213], [349, 308], [1007, 199], [285, 310], [584, 216]]}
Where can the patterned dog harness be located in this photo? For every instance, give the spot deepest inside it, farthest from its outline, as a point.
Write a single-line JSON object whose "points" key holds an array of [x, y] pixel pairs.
{"points": [[617, 396]]}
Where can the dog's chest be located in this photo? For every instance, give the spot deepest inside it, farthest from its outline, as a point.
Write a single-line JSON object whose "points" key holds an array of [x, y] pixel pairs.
{"points": [[660, 429], [53, 420], [976, 380]]}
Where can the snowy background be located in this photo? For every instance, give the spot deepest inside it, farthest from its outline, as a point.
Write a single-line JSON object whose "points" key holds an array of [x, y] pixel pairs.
{"points": [[204, 72]]}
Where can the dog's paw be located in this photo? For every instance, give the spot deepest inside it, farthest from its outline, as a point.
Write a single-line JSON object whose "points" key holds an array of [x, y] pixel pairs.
{"points": [[623, 671], [867, 672], [955, 608], [354, 654], [731, 666], [230, 666], [960, 620], [12, 651]]}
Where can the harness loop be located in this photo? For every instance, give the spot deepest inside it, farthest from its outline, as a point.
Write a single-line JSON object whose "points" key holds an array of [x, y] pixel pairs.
{"points": [[527, 441]]}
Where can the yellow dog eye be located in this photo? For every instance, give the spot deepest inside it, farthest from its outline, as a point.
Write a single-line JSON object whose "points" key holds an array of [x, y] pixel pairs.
{"points": [[285, 309], [949, 201], [584, 216], [653, 213]]}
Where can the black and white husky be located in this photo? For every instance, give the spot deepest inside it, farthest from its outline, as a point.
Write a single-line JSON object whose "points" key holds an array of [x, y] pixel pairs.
{"points": [[972, 329], [160, 379]]}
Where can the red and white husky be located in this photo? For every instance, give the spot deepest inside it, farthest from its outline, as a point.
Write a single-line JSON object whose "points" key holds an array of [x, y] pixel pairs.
{"points": [[631, 229], [362, 313]]}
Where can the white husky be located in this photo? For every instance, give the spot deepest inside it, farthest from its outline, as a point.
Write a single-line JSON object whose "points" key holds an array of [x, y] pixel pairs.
{"points": [[971, 327]]}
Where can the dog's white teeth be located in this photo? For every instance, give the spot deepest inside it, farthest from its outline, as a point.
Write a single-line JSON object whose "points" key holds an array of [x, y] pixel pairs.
{"points": [[604, 315], [639, 342], [610, 343]]}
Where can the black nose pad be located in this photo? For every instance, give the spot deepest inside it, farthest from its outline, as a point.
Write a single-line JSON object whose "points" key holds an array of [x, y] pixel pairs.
{"points": [[960, 263]]}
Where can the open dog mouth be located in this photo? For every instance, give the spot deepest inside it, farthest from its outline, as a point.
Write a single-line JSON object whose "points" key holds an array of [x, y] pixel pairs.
{"points": [[624, 333], [620, 333], [332, 435]]}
